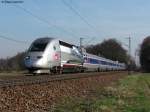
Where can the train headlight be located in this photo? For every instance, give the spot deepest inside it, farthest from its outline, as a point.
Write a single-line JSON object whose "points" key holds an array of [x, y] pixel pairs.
{"points": [[27, 57], [39, 57]]}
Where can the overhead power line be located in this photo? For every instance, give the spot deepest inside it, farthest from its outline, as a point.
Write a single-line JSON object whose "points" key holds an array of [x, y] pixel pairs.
{"points": [[89, 42], [78, 14], [14, 40], [44, 20]]}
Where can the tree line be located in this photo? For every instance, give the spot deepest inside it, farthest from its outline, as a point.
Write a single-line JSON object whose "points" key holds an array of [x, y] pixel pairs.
{"points": [[145, 54], [111, 49], [14, 63]]}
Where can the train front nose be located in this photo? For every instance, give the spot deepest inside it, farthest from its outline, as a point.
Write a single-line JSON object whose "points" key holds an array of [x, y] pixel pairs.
{"points": [[33, 61], [30, 62]]}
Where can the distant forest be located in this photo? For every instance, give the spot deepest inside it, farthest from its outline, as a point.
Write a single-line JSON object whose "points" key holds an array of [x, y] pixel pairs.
{"points": [[110, 49], [14, 63]]}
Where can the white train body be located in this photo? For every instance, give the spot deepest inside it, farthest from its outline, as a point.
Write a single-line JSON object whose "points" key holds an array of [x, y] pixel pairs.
{"points": [[51, 55]]}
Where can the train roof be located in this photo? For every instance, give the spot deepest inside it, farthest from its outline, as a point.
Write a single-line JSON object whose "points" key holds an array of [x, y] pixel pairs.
{"points": [[95, 56], [44, 40], [48, 39]]}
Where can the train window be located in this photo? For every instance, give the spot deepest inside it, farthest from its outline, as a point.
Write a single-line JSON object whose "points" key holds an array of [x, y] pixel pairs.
{"points": [[38, 47]]}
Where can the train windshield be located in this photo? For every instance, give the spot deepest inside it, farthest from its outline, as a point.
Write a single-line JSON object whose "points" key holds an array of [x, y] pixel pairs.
{"points": [[38, 47]]}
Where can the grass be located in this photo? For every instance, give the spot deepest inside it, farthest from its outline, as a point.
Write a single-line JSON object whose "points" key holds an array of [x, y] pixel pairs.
{"points": [[131, 94]]}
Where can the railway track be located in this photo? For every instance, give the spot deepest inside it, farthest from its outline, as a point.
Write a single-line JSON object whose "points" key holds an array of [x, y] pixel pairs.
{"points": [[41, 79]]}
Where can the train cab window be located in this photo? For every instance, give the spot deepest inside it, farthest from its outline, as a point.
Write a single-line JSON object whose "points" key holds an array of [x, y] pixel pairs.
{"points": [[38, 47]]}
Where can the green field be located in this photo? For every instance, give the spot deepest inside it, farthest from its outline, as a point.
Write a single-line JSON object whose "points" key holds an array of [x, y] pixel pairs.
{"points": [[131, 94]]}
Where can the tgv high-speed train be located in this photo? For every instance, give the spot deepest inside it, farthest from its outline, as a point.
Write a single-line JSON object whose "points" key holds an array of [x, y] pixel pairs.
{"points": [[96, 63], [51, 55]]}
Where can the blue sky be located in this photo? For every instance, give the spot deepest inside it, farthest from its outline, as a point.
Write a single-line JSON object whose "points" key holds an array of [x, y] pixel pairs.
{"points": [[109, 19]]}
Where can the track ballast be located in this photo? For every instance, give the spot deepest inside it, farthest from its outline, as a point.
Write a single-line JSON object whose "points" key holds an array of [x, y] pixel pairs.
{"points": [[41, 79]]}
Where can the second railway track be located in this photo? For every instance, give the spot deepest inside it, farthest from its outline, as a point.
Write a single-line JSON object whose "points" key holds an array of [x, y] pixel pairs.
{"points": [[41, 79]]}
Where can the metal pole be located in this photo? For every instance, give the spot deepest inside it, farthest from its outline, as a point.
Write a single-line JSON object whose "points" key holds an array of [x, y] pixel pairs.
{"points": [[81, 45], [81, 39], [129, 63]]}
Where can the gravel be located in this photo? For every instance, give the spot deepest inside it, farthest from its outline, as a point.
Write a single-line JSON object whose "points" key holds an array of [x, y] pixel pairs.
{"points": [[40, 97]]}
